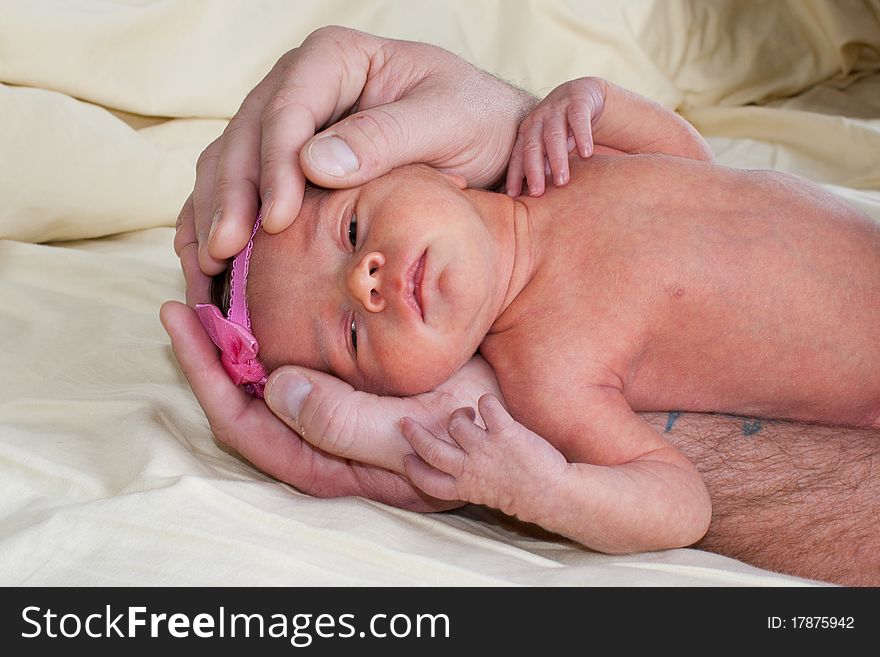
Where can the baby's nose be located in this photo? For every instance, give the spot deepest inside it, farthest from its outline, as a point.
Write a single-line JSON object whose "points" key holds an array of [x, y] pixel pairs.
{"points": [[365, 282]]}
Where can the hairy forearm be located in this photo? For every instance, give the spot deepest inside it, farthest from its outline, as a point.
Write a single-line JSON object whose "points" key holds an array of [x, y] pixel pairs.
{"points": [[790, 497]]}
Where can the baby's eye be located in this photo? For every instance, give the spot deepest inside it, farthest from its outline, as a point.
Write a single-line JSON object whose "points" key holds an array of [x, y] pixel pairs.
{"points": [[354, 340], [352, 230]]}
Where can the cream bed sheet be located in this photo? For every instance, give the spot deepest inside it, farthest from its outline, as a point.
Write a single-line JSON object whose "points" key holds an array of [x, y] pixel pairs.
{"points": [[110, 474]]}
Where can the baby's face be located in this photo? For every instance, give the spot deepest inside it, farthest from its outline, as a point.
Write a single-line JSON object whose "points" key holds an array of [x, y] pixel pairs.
{"points": [[386, 286]]}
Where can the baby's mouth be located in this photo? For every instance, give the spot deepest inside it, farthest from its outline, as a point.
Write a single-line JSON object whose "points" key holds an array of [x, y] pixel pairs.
{"points": [[414, 283]]}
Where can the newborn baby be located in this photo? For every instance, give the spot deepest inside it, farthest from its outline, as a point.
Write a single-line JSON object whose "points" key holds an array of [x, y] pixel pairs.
{"points": [[651, 282]]}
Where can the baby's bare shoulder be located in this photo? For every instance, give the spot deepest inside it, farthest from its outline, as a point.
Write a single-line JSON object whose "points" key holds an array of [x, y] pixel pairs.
{"points": [[548, 392]]}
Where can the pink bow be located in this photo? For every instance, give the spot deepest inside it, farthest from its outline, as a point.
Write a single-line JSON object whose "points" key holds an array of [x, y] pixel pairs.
{"points": [[238, 348]]}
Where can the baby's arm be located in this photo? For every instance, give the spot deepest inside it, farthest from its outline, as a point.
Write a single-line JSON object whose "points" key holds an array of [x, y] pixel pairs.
{"points": [[589, 111], [654, 501]]}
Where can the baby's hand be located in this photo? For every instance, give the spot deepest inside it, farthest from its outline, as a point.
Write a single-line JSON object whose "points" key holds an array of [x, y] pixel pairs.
{"points": [[504, 466], [560, 122]]}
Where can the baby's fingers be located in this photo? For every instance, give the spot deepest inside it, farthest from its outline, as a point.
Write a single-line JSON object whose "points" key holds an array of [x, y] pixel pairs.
{"points": [[434, 451], [555, 143], [464, 430], [494, 414], [430, 480], [579, 121], [533, 156]]}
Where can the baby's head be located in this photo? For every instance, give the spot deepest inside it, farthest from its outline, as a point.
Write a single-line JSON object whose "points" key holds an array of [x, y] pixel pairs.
{"points": [[390, 286]]}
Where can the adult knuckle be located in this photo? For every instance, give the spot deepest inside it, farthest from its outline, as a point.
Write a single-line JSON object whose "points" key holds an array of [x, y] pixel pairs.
{"points": [[305, 476], [331, 32], [273, 158], [234, 130], [201, 206], [180, 243], [280, 103], [334, 42], [257, 95], [377, 136], [227, 428], [209, 155], [223, 188], [189, 260], [330, 426], [290, 98]]}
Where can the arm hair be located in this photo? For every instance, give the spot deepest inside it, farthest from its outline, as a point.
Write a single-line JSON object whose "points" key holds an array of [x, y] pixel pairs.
{"points": [[789, 497]]}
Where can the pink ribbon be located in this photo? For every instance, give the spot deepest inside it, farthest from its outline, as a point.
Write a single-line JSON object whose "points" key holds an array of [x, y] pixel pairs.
{"points": [[238, 348], [232, 335]]}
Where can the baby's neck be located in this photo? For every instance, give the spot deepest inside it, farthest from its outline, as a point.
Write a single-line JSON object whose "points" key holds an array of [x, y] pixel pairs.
{"points": [[511, 221]]}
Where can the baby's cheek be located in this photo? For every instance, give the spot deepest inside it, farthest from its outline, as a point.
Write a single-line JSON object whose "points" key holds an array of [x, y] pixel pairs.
{"points": [[409, 367]]}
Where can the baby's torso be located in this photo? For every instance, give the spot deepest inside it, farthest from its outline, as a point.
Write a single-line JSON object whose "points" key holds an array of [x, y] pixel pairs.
{"points": [[694, 287]]}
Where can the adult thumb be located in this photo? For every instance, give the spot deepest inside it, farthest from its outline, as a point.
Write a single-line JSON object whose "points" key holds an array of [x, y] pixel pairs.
{"points": [[334, 417], [363, 146]]}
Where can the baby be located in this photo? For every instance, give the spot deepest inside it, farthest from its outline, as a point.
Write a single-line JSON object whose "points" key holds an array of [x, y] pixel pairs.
{"points": [[655, 280]]}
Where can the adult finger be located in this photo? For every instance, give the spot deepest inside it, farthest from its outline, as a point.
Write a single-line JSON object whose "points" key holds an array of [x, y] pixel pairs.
{"points": [[335, 418], [370, 143], [234, 195], [317, 83], [206, 169], [198, 285], [185, 228], [186, 247]]}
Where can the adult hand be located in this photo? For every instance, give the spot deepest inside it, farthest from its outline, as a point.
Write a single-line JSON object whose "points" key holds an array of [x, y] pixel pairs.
{"points": [[355, 445], [403, 102]]}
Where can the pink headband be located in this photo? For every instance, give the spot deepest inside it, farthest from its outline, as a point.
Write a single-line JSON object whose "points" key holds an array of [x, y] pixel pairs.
{"points": [[232, 334]]}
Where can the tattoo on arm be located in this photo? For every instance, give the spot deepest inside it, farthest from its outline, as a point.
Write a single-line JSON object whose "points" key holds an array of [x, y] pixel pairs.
{"points": [[750, 425], [670, 421]]}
